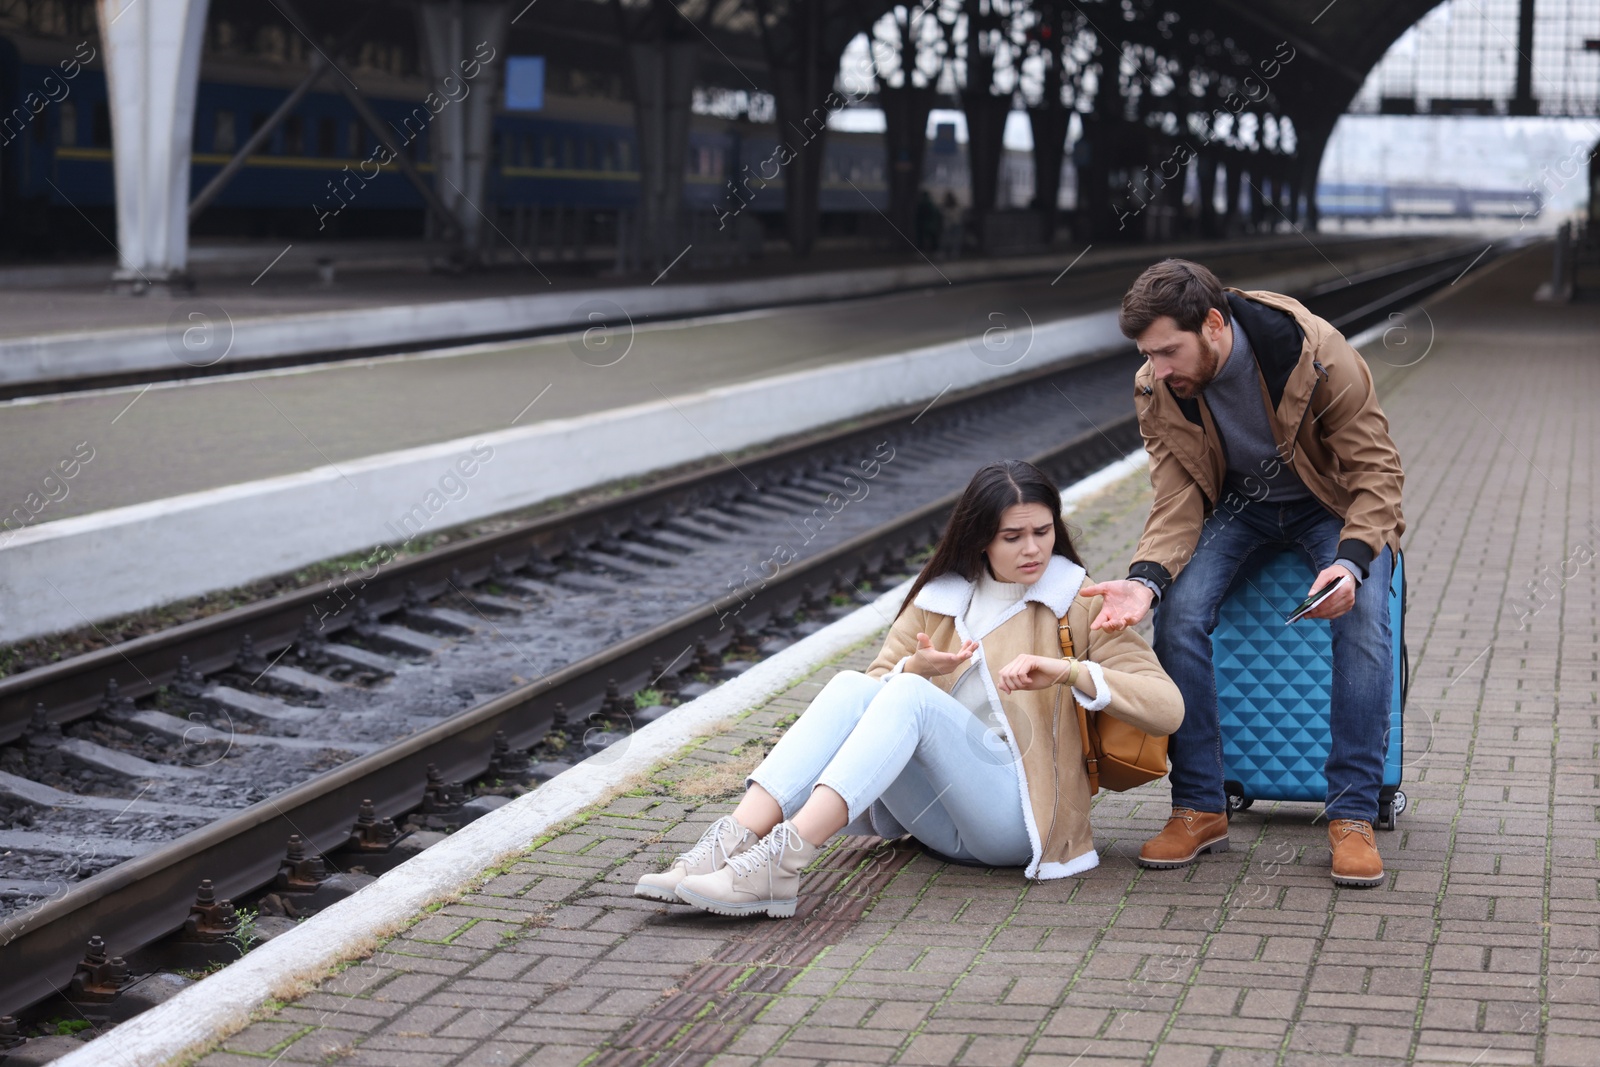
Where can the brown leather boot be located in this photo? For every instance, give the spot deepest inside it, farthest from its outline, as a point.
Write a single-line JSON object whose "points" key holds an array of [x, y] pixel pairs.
{"points": [[1187, 834], [1355, 854]]}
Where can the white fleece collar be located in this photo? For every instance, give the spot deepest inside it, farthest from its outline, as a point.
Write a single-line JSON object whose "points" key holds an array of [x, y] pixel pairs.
{"points": [[949, 594]]}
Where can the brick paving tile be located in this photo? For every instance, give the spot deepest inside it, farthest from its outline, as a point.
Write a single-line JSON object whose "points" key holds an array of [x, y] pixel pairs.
{"points": [[263, 1037], [319, 1045], [935, 1048], [1482, 946], [415, 1043], [364, 1057], [229, 1059], [498, 1054]]}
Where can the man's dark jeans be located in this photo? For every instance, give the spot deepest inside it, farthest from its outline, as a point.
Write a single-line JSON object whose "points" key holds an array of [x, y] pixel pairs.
{"points": [[1363, 658]]}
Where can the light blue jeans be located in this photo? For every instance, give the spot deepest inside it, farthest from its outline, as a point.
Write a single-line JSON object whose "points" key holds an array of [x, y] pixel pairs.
{"points": [[907, 758]]}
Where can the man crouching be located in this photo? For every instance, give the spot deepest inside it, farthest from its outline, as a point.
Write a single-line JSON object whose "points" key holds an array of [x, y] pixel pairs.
{"points": [[1262, 426]]}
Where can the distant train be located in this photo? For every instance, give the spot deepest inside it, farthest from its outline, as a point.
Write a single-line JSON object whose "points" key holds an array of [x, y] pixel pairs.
{"points": [[575, 154], [1396, 201]]}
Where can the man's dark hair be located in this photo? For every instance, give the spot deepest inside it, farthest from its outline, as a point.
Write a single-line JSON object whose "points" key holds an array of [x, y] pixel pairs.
{"points": [[1176, 287]]}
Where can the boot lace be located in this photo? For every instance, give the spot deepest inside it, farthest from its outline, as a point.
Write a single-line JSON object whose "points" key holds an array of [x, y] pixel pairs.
{"points": [[1345, 827], [769, 849], [710, 843]]}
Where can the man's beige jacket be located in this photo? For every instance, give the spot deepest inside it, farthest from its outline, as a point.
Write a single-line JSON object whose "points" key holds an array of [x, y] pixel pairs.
{"points": [[1324, 414]]}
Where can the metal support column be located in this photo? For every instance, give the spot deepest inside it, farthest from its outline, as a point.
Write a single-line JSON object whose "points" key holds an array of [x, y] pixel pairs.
{"points": [[152, 62], [1523, 102], [463, 44]]}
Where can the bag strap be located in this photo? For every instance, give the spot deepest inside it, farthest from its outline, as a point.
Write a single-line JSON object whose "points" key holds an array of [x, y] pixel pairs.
{"points": [[1091, 752]]}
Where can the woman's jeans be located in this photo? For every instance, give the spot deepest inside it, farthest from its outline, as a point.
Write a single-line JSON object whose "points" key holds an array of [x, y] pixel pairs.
{"points": [[907, 758], [1363, 657]]}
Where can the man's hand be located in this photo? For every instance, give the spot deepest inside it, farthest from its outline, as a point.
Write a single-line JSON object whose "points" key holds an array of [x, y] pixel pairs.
{"points": [[1127, 601], [930, 662], [1028, 671], [1342, 600]]}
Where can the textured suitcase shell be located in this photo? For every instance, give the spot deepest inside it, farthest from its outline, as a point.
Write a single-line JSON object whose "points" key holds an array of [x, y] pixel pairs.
{"points": [[1273, 687]]}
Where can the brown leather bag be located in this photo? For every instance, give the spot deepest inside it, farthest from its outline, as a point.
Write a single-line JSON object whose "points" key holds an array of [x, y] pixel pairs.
{"points": [[1116, 754]]}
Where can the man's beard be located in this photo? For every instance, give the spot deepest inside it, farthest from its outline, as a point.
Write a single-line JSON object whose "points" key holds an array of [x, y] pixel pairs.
{"points": [[1189, 388]]}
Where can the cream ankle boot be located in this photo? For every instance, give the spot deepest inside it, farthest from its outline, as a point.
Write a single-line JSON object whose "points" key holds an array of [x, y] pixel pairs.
{"points": [[724, 838], [764, 879]]}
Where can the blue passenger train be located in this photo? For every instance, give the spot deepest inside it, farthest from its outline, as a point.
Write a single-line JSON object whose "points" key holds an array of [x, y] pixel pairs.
{"points": [[576, 153]]}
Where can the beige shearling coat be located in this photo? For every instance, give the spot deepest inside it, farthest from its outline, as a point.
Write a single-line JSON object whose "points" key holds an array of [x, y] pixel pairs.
{"points": [[1041, 726]]}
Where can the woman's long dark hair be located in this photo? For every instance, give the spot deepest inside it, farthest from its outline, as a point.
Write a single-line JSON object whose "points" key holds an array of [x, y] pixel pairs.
{"points": [[976, 519]]}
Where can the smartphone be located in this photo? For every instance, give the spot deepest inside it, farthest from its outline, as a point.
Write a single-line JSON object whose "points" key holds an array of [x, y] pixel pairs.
{"points": [[1315, 598]]}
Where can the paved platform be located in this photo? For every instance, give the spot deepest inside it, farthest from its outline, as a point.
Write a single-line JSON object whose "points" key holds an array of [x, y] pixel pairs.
{"points": [[1482, 947]]}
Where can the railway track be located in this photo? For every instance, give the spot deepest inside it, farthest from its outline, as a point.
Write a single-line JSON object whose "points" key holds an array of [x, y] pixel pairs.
{"points": [[332, 714]]}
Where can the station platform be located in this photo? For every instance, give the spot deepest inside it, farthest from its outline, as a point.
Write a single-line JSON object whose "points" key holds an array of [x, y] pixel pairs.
{"points": [[267, 302], [212, 483], [1483, 946]]}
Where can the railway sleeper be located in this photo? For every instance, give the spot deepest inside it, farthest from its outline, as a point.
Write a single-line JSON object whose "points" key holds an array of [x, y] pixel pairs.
{"points": [[302, 682], [14, 787], [105, 760], [612, 561], [651, 554], [263, 711], [76, 845], [579, 582], [442, 621], [398, 639], [494, 605], [201, 735], [352, 656]]}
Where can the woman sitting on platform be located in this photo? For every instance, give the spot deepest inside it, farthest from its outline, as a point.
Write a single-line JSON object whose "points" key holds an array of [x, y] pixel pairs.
{"points": [[959, 733]]}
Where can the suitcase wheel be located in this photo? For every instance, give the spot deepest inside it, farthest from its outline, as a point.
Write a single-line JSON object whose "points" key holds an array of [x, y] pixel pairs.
{"points": [[1237, 801], [1388, 809]]}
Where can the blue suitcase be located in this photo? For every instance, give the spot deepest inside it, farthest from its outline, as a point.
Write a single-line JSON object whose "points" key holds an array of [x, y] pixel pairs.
{"points": [[1273, 686]]}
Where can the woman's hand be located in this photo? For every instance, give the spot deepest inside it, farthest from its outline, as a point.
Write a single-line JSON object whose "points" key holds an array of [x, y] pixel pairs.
{"points": [[1028, 671], [930, 662]]}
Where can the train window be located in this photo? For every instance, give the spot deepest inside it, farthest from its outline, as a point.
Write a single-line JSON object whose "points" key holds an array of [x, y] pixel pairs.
{"points": [[608, 156], [69, 123], [625, 155], [527, 158], [294, 136], [588, 155], [224, 136], [569, 157], [102, 125], [327, 138], [358, 140], [258, 119]]}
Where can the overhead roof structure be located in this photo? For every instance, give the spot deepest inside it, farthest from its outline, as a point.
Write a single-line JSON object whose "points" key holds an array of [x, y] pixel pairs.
{"points": [[1180, 62]]}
